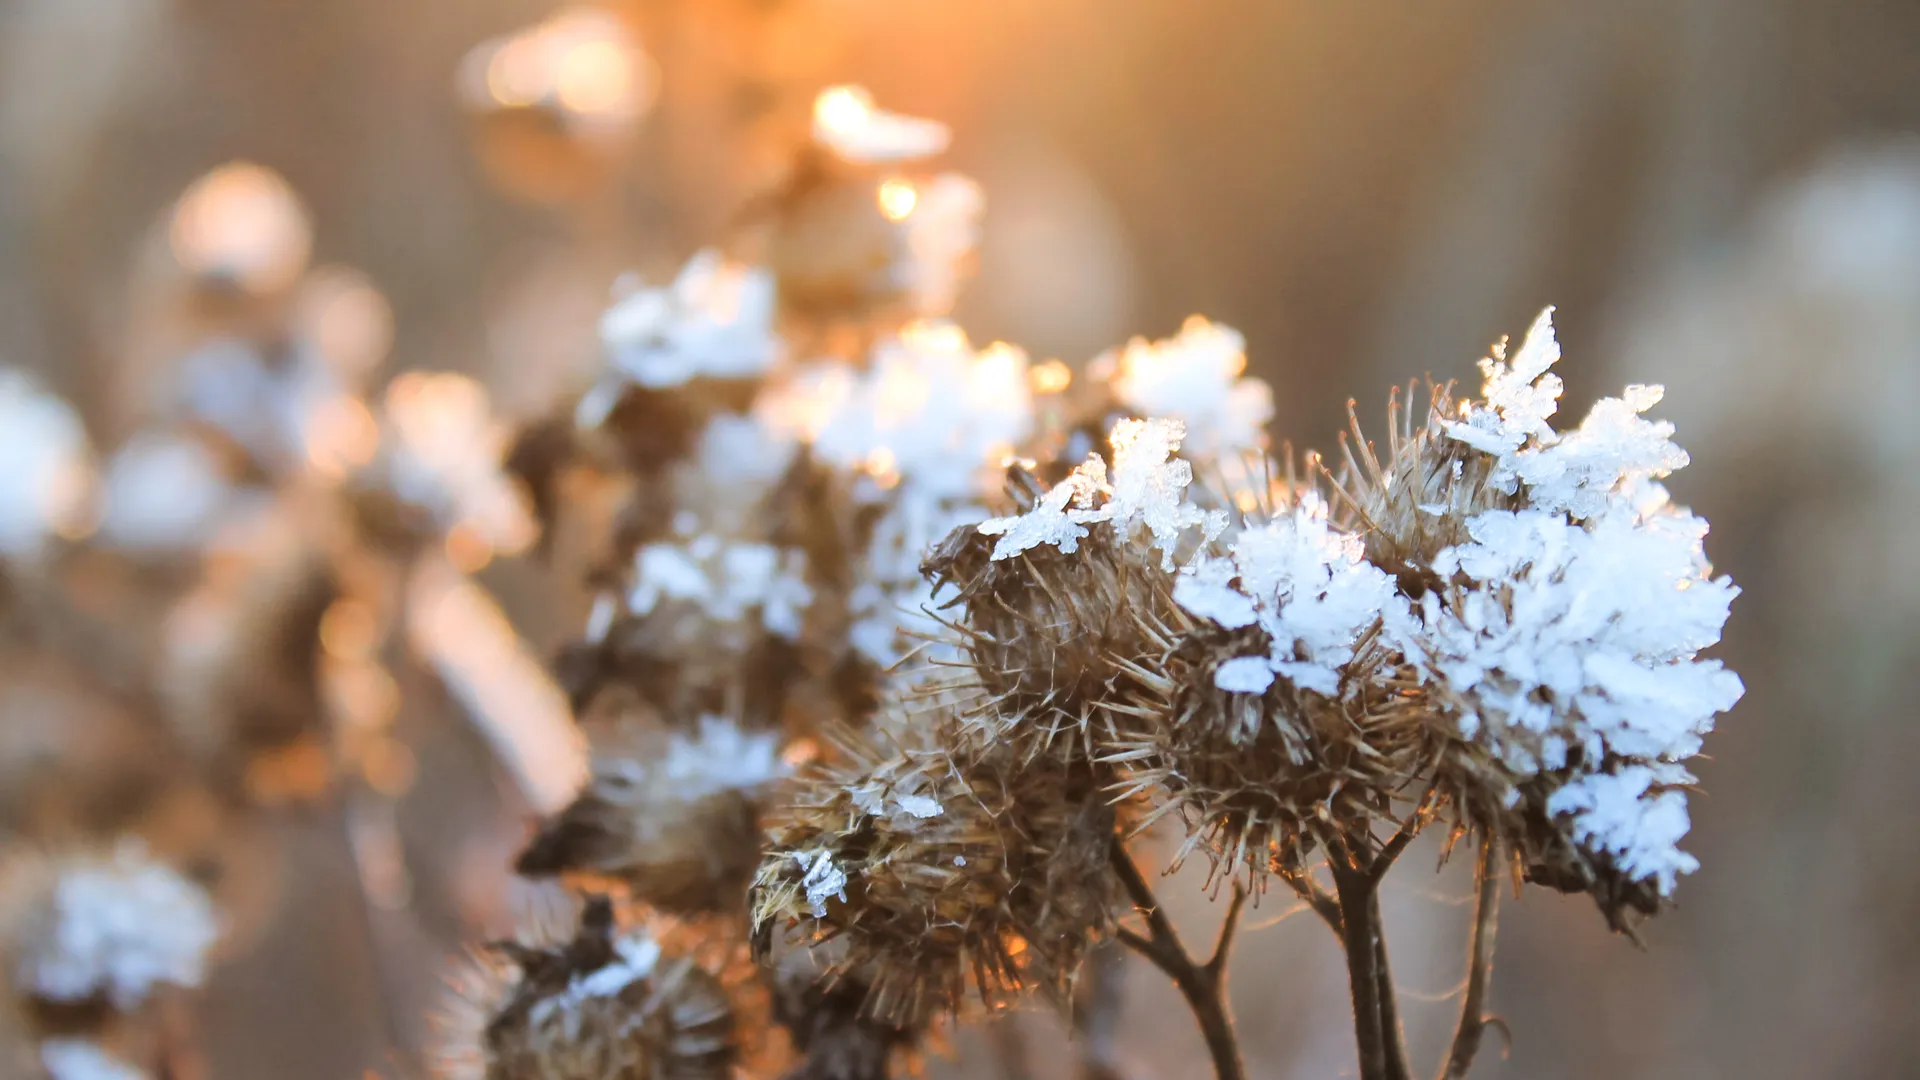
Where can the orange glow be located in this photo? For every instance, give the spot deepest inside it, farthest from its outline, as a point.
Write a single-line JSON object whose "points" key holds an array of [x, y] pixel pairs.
{"points": [[594, 77], [349, 630], [1050, 377], [842, 108], [897, 199], [342, 435], [347, 319], [242, 223], [468, 549], [389, 767]]}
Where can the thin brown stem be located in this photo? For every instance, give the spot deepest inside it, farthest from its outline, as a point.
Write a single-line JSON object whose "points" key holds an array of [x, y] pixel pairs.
{"points": [[1203, 985], [1317, 898], [1391, 1033], [1359, 932], [1473, 1018], [1096, 1012]]}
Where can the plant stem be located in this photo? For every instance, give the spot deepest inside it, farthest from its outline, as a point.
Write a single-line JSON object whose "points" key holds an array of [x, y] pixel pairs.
{"points": [[1473, 1019], [1203, 985], [1359, 935], [1096, 1012], [1392, 1036]]}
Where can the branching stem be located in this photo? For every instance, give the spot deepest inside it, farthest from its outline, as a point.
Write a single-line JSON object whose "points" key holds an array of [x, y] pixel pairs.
{"points": [[1204, 985], [1473, 1018]]}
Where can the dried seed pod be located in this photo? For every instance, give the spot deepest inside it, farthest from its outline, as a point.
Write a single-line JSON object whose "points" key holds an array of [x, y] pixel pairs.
{"points": [[943, 871], [678, 827], [1263, 779], [828, 1021], [605, 1005]]}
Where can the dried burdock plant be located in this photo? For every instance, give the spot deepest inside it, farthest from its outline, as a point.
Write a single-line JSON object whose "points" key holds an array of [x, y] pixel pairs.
{"points": [[1000, 618]]}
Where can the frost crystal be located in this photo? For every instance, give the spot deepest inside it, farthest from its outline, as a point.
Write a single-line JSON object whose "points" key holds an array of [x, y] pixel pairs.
{"points": [[635, 955], [162, 493], [1305, 583], [1575, 645], [43, 465], [847, 122], [120, 926], [1148, 490], [1577, 471], [821, 879], [82, 1059], [1194, 377], [715, 320], [722, 758], [1624, 814], [729, 581]]}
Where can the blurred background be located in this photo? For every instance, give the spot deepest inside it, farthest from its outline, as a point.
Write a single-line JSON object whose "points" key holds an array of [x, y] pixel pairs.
{"points": [[1721, 195]]}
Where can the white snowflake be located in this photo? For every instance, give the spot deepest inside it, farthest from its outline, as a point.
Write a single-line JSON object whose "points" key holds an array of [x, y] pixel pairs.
{"points": [[729, 581], [1575, 472], [1306, 584], [162, 493], [120, 926], [714, 320], [821, 879], [443, 452], [83, 1059], [635, 956], [43, 465], [720, 758], [1623, 814], [1577, 644], [1195, 377]]}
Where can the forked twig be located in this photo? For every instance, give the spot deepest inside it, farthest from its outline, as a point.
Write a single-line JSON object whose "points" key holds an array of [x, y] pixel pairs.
{"points": [[1203, 985]]}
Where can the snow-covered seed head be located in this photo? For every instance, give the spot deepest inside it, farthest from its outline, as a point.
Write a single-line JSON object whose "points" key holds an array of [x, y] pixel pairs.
{"points": [[606, 1005], [940, 875], [109, 929], [677, 827]]}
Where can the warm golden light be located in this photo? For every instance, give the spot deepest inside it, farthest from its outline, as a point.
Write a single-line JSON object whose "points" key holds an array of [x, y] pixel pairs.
{"points": [[342, 436], [468, 548], [842, 109], [594, 77], [583, 62], [1050, 377], [242, 223], [349, 630], [897, 199]]}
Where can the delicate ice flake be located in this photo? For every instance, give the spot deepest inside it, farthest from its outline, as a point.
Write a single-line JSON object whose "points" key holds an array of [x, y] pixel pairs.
{"points": [[1195, 377], [43, 465], [821, 879], [919, 806], [1305, 583], [119, 927], [729, 581], [1244, 675], [1572, 646], [1150, 484], [83, 1059], [847, 122], [715, 320], [1626, 815], [162, 493], [635, 955], [721, 758], [1059, 517], [1576, 472]]}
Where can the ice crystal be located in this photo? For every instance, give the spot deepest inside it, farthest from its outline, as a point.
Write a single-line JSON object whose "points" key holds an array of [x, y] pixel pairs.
{"points": [[120, 926], [1630, 817], [1195, 377], [821, 879], [43, 465], [83, 1059], [635, 955], [162, 493], [847, 122], [714, 320], [720, 758], [1573, 645], [1305, 583], [1147, 491], [729, 581], [1574, 472]]}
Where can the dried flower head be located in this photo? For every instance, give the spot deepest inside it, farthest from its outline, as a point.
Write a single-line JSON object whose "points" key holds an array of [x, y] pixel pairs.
{"points": [[106, 927], [605, 1005], [936, 873], [679, 828]]}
